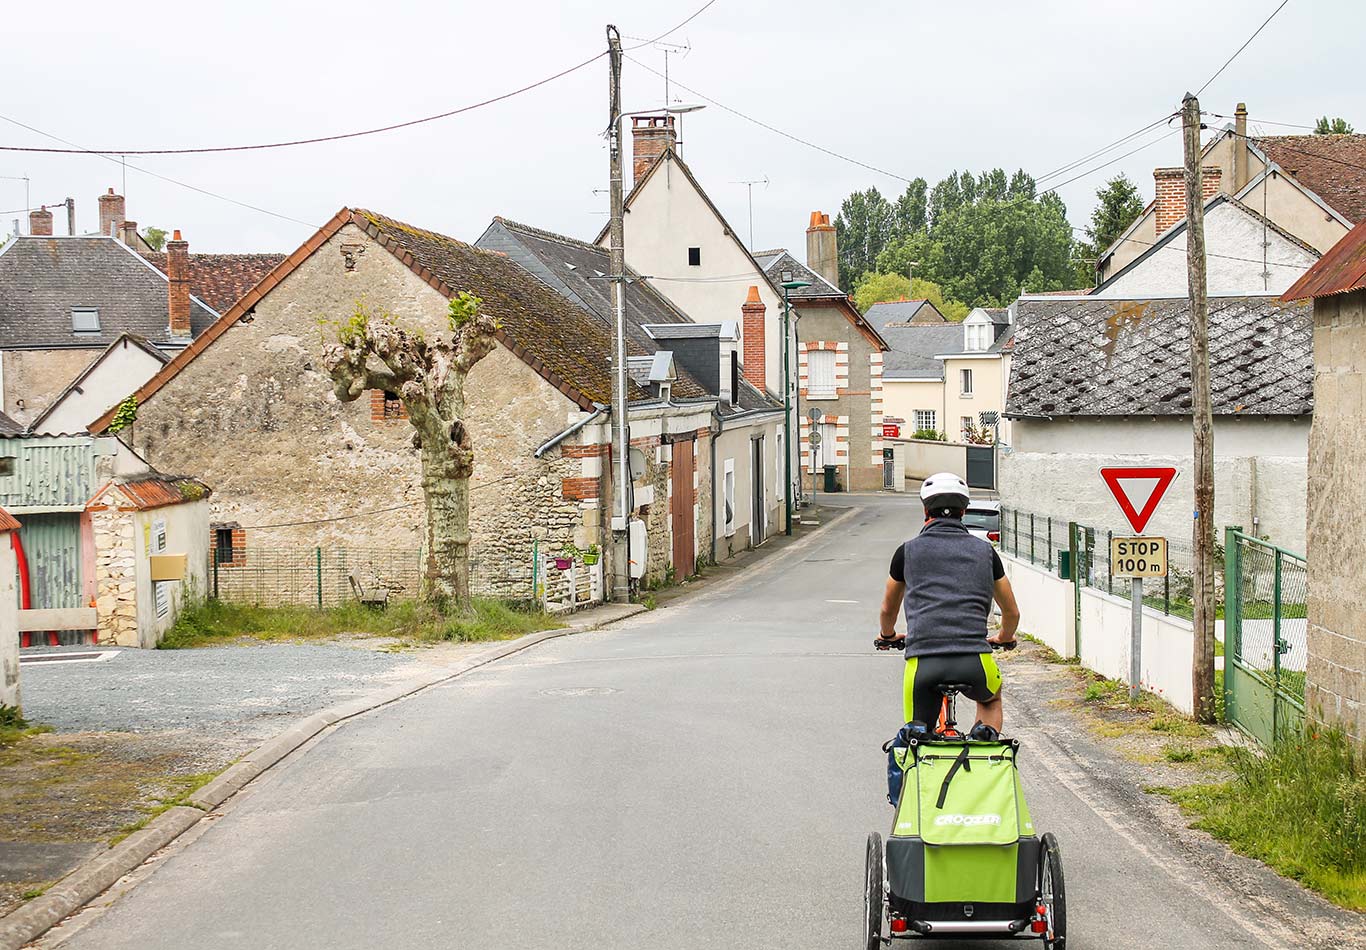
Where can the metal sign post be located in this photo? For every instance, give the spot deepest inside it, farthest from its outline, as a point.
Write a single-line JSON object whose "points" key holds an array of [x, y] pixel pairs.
{"points": [[814, 415], [1137, 558]]}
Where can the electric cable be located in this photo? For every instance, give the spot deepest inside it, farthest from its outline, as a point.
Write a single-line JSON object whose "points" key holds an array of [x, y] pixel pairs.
{"points": [[1241, 48]]}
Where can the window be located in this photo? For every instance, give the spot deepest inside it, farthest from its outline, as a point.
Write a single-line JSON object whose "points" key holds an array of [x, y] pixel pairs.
{"points": [[965, 382], [734, 379], [926, 420], [386, 406], [85, 320], [820, 368], [978, 337], [825, 452], [965, 427], [222, 543], [728, 493], [694, 257]]}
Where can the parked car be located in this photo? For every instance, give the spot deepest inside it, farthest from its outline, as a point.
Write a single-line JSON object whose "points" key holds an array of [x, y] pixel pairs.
{"points": [[983, 519]]}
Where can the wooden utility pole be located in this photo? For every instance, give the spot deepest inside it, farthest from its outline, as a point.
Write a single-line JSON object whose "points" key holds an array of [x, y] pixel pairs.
{"points": [[1202, 671], [621, 514]]}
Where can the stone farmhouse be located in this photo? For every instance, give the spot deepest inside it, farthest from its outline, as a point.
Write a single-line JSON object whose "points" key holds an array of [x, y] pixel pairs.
{"points": [[248, 407], [1336, 673], [1097, 382]]}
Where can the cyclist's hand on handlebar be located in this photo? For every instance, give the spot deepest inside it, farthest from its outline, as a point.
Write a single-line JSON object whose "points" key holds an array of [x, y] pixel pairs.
{"points": [[892, 643], [996, 644]]}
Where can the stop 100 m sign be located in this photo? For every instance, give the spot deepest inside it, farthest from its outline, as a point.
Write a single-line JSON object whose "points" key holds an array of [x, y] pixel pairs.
{"points": [[1138, 557]]}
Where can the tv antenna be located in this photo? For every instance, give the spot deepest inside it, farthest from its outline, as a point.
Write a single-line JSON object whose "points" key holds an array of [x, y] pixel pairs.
{"points": [[749, 189]]}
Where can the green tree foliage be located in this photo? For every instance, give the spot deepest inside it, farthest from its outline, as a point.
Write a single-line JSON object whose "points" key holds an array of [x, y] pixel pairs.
{"points": [[1119, 205], [155, 238], [912, 209], [863, 228], [1327, 126], [874, 288]]}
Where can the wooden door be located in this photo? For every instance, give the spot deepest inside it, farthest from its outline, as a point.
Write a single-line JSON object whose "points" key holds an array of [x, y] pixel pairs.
{"points": [[685, 560]]}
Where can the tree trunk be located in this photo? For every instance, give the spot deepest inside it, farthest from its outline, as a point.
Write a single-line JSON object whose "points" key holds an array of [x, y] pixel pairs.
{"points": [[446, 490]]}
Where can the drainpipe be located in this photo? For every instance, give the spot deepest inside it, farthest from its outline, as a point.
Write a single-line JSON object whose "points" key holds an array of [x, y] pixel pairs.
{"points": [[598, 409], [715, 431]]}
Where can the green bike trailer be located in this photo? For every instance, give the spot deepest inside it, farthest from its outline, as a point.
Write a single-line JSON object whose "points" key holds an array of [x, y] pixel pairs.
{"points": [[963, 858]]}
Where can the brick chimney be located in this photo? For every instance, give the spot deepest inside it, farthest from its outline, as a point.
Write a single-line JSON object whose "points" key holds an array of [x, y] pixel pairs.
{"points": [[178, 283], [752, 333], [130, 234], [1170, 205], [111, 214], [822, 256], [650, 136], [40, 222], [1240, 147]]}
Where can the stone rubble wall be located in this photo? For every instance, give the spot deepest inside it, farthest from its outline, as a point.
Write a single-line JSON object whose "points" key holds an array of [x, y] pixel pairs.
{"points": [[116, 598]]}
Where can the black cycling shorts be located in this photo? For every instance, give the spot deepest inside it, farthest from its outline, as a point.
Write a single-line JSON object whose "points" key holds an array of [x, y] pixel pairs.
{"points": [[925, 674]]}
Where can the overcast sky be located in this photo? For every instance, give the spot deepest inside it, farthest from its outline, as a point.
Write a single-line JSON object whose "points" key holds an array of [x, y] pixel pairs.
{"points": [[915, 88]]}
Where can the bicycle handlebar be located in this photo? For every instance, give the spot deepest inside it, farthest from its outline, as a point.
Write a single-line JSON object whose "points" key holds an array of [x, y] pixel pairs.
{"points": [[899, 643]]}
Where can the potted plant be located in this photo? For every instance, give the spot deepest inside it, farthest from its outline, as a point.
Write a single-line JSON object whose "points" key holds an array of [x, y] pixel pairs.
{"points": [[591, 554]]}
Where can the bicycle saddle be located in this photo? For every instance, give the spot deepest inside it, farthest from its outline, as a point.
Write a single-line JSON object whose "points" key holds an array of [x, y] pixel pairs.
{"points": [[950, 689]]}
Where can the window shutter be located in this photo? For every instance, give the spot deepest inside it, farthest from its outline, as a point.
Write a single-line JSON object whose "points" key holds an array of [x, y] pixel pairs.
{"points": [[820, 367]]}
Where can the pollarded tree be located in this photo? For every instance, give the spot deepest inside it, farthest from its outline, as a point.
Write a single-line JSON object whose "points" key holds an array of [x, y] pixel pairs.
{"points": [[428, 373]]}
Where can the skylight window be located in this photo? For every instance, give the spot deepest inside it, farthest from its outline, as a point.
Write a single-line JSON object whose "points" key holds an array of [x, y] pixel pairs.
{"points": [[570, 266], [85, 320]]}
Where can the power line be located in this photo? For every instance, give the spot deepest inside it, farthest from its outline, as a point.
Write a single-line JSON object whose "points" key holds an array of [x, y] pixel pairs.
{"points": [[166, 178], [1112, 161], [1101, 151], [1300, 151], [701, 10], [1260, 121], [1241, 48], [310, 141]]}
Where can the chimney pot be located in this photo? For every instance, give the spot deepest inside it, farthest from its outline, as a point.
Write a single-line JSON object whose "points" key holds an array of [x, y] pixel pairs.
{"points": [[40, 222], [130, 234], [111, 214], [178, 287], [822, 254], [650, 136], [755, 352]]}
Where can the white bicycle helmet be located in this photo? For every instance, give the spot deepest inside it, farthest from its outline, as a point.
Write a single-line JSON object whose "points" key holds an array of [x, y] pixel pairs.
{"points": [[945, 490]]}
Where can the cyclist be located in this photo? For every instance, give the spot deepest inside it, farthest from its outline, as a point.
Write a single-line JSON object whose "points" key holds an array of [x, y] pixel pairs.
{"points": [[944, 580]]}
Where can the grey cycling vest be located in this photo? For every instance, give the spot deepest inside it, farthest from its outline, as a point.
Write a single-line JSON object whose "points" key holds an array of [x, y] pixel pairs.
{"points": [[949, 585]]}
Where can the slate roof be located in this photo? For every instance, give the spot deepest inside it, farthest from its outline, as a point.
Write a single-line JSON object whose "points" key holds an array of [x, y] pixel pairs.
{"points": [[1341, 270], [43, 278], [1089, 357], [914, 347], [220, 280], [897, 312], [1331, 166], [9, 429], [776, 261]]}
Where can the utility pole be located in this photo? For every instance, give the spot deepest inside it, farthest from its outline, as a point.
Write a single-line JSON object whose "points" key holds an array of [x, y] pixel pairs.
{"points": [[71, 217], [621, 534], [1202, 416]]}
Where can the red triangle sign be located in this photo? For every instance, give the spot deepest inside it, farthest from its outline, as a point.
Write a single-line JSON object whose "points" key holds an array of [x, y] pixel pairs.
{"points": [[1138, 517]]}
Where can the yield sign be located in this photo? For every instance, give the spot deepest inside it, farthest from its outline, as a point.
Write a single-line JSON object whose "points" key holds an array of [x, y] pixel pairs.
{"points": [[1128, 486]]}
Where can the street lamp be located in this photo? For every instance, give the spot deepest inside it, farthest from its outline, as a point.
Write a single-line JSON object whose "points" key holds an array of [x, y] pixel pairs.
{"points": [[788, 284]]}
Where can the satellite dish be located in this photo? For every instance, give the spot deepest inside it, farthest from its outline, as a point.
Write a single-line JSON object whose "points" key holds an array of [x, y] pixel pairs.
{"points": [[814, 414], [636, 461]]}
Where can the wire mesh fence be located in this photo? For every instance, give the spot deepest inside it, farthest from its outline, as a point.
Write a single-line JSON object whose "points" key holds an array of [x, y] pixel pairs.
{"points": [[1041, 540], [327, 577]]}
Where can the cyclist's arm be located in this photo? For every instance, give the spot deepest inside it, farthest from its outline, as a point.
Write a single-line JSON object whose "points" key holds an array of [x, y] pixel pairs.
{"points": [[891, 608], [1010, 611]]}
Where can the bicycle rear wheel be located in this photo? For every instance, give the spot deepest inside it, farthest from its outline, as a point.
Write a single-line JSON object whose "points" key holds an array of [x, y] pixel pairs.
{"points": [[1052, 893], [873, 908]]}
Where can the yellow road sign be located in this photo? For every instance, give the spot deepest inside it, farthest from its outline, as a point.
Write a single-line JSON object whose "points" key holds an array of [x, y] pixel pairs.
{"points": [[1138, 557]]}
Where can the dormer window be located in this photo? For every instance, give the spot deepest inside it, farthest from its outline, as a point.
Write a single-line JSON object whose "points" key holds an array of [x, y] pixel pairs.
{"points": [[666, 390], [85, 320], [978, 337]]}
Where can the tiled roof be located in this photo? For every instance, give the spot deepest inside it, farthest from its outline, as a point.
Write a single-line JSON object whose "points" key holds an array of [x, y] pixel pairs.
{"points": [[1331, 166], [162, 490], [914, 347], [891, 313], [43, 278], [220, 280], [8, 522], [1092, 357], [9, 428], [774, 263], [1341, 270]]}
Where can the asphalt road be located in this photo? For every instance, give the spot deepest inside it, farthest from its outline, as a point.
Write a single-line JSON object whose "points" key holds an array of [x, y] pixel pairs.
{"points": [[701, 776]]}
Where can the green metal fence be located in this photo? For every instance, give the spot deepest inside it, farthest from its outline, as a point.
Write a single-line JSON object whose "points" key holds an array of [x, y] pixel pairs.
{"points": [[1266, 649], [322, 577]]}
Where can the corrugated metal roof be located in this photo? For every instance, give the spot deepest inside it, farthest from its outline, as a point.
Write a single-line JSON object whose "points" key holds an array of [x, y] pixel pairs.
{"points": [[146, 493], [1342, 269]]}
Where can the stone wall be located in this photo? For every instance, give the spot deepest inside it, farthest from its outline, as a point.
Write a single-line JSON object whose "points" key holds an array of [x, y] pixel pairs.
{"points": [[36, 377], [254, 416], [1336, 675], [116, 596]]}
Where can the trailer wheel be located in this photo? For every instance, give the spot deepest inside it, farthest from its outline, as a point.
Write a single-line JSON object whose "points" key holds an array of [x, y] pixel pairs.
{"points": [[872, 895], [1052, 893]]}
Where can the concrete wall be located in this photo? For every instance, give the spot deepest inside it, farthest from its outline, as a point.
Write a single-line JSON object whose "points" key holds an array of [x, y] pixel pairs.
{"points": [[187, 528], [1336, 687], [33, 378], [1260, 471], [858, 401], [121, 372], [1233, 242], [254, 416], [1047, 611], [924, 458], [9, 624]]}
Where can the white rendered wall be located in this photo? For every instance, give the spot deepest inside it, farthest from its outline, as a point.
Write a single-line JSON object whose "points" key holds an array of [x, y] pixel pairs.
{"points": [[9, 624], [121, 372]]}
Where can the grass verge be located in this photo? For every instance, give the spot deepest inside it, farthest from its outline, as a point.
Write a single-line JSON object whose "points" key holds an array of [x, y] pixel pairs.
{"points": [[1300, 808], [14, 727], [213, 622], [183, 787]]}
